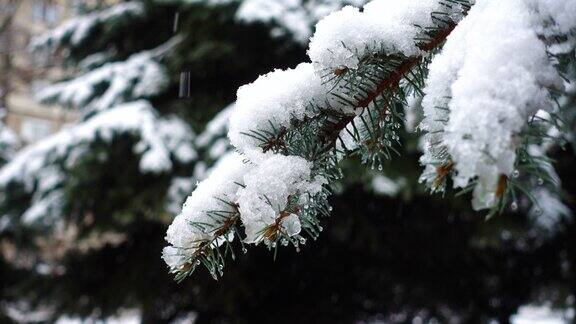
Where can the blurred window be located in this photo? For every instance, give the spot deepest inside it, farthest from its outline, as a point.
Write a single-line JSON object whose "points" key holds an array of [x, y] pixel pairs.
{"points": [[45, 11], [33, 129]]}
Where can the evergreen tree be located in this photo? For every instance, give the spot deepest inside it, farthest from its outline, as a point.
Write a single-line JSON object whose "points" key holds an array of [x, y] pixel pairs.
{"points": [[8, 143], [89, 206], [293, 127]]}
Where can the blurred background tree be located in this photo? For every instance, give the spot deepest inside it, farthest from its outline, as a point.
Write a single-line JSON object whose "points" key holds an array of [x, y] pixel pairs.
{"points": [[83, 213]]}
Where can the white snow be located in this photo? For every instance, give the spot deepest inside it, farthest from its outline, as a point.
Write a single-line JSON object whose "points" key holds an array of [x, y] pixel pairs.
{"points": [[8, 142], [273, 101], [492, 75], [76, 30], [160, 141], [213, 139], [216, 128], [542, 314], [194, 225], [123, 316], [139, 77], [293, 17], [555, 16], [268, 188], [344, 37], [387, 186], [180, 188]]}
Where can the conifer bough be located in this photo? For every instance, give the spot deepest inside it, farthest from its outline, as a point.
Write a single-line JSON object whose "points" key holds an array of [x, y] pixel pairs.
{"points": [[488, 94]]}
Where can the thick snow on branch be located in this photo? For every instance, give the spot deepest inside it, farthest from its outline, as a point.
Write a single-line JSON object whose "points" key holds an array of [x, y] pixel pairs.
{"points": [[212, 145], [273, 101], [344, 37], [558, 18], [208, 209], [270, 189], [77, 30], [273, 201], [139, 77], [492, 75]]}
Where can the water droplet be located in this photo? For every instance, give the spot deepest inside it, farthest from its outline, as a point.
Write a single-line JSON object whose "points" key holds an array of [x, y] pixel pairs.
{"points": [[273, 244], [516, 174], [320, 228], [540, 181], [198, 262], [244, 250], [387, 118], [284, 242], [302, 240], [514, 206], [380, 167], [330, 208]]}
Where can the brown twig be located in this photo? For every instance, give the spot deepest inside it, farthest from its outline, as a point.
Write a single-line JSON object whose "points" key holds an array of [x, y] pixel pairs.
{"points": [[387, 84]]}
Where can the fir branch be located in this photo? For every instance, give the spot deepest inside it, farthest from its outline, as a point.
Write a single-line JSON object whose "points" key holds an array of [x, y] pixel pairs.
{"points": [[388, 84]]}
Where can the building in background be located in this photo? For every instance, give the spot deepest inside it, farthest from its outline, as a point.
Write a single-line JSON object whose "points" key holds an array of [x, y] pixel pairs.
{"points": [[23, 72]]}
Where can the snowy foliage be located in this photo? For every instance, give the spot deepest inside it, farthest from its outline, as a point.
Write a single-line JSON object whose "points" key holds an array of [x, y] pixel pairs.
{"points": [[294, 18], [40, 169], [77, 31], [346, 36], [196, 226], [291, 95], [479, 73], [8, 144], [211, 146], [213, 139], [141, 76], [271, 190], [481, 94]]}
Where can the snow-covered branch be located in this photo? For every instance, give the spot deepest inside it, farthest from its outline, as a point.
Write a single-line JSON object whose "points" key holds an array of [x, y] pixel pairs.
{"points": [[40, 168], [141, 76], [77, 31], [481, 94], [287, 123], [294, 18]]}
